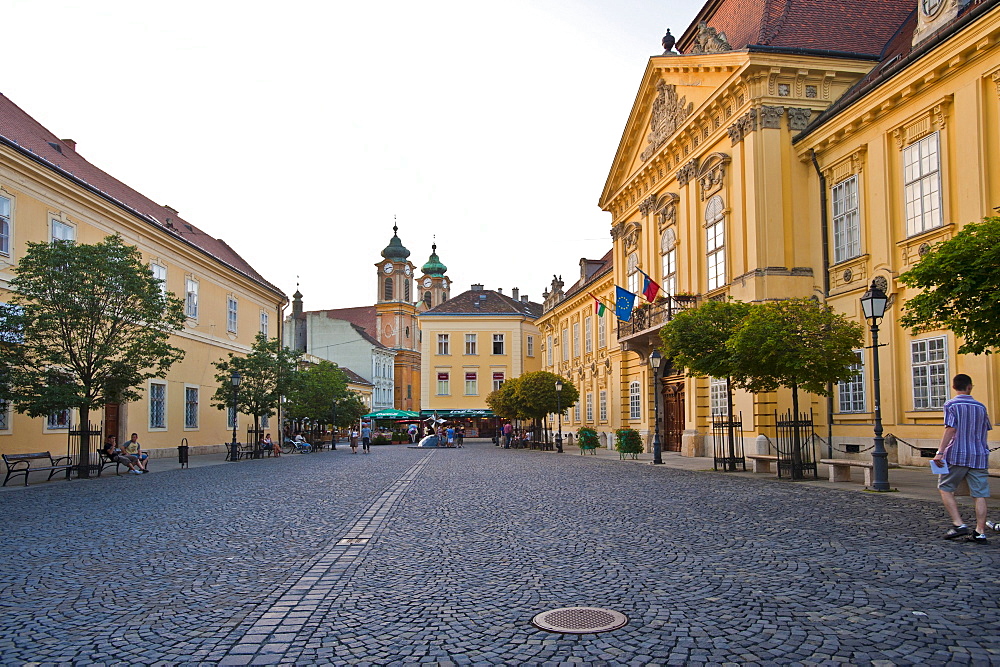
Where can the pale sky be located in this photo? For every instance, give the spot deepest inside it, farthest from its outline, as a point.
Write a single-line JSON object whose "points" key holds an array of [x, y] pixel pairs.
{"points": [[296, 130]]}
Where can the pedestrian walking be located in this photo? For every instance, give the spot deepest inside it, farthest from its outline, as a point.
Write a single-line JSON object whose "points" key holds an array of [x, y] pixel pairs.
{"points": [[366, 438], [450, 434], [460, 435], [354, 441], [508, 433], [963, 447]]}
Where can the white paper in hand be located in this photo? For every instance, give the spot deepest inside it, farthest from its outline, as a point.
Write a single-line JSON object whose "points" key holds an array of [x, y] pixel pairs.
{"points": [[939, 468]]}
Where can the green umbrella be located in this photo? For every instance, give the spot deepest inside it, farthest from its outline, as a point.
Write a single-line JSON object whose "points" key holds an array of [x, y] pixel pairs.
{"points": [[390, 413]]}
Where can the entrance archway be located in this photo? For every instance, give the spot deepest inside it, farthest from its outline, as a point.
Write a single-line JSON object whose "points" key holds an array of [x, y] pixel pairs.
{"points": [[673, 415]]}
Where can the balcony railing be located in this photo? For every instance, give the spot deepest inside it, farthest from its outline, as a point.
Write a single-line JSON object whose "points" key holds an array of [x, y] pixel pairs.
{"points": [[654, 316]]}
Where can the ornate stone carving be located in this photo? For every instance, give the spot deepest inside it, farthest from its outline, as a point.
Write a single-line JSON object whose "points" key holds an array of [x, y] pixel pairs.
{"points": [[667, 207], [687, 172], [744, 125], [648, 205], [735, 134], [798, 119], [770, 117], [669, 112], [881, 283], [631, 236], [710, 40], [996, 80], [712, 174], [923, 249], [848, 275]]}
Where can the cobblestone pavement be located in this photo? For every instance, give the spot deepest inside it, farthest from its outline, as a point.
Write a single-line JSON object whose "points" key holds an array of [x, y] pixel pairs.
{"points": [[445, 556]]}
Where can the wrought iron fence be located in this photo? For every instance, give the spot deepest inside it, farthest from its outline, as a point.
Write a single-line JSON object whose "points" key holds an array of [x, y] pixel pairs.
{"points": [[86, 440], [653, 315], [794, 443], [727, 441]]}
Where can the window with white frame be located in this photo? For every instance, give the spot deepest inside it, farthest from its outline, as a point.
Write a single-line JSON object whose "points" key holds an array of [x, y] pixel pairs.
{"points": [[443, 385], [590, 406], [632, 275], [498, 379], [602, 332], [498, 343], [634, 401], [230, 417], [548, 350], [851, 392], [160, 274], [191, 298], [576, 411], [58, 420], [63, 232], [5, 226], [922, 184], [190, 407], [4, 416], [471, 384], [472, 343], [602, 405], [588, 334], [715, 242], [846, 220], [157, 405], [444, 344], [929, 364], [564, 355], [264, 323], [232, 314], [668, 246], [576, 339], [718, 405], [265, 421], [530, 345]]}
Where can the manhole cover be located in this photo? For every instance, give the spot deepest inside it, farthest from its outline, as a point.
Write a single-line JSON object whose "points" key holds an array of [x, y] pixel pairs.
{"points": [[579, 620]]}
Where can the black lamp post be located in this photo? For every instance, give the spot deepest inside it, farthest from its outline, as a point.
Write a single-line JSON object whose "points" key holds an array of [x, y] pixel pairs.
{"points": [[559, 415], [654, 363], [234, 448], [874, 303]]}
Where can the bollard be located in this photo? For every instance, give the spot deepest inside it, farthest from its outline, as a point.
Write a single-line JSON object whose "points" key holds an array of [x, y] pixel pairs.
{"points": [[182, 453]]}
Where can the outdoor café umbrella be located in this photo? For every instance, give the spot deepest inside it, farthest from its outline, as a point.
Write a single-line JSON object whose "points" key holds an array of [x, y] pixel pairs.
{"points": [[390, 413]]}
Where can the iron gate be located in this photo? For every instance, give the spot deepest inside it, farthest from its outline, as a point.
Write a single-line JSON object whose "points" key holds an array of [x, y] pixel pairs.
{"points": [[727, 440], [794, 442]]}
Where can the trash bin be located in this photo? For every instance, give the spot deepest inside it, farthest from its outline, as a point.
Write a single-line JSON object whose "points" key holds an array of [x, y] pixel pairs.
{"points": [[182, 453]]}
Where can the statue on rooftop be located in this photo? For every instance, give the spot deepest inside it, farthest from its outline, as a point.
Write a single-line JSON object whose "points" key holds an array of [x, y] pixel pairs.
{"points": [[668, 43]]}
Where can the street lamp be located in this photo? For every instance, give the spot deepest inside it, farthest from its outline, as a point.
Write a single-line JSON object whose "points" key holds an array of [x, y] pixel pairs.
{"points": [[234, 448], [873, 303], [654, 362], [559, 386]]}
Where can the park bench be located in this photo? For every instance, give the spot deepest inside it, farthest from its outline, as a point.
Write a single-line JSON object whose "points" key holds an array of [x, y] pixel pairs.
{"points": [[21, 464], [761, 462], [840, 469], [106, 462]]}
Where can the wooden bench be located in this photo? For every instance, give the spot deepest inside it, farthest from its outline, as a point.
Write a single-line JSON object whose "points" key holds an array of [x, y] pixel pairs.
{"points": [[20, 464], [761, 462], [840, 469]]}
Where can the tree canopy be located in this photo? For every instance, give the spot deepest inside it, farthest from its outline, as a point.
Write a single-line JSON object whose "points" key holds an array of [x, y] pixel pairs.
{"points": [[695, 339], [504, 401], [268, 372], [960, 280], [321, 394], [536, 394]]}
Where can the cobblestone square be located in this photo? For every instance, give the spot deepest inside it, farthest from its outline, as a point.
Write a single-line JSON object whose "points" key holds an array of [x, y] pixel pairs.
{"points": [[444, 556]]}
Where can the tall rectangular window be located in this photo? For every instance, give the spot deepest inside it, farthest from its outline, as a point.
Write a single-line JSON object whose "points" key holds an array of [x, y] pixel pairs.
{"points": [[58, 420], [588, 334], [846, 222], [264, 323], [63, 232], [670, 272], [157, 405], [576, 339], [715, 242], [564, 355], [632, 276], [443, 385], [471, 384], [5, 226], [602, 331], [548, 350], [232, 314], [191, 298], [530, 344], [160, 273], [929, 363], [190, 407], [498, 343], [851, 393], [922, 185], [230, 417], [634, 401], [602, 405], [717, 402], [4, 416], [576, 411], [444, 343], [471, 344], [590, 407], [498, 379]]}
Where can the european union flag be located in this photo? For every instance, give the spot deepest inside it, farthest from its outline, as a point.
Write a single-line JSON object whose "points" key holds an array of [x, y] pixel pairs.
{"points": [[624, 303]]}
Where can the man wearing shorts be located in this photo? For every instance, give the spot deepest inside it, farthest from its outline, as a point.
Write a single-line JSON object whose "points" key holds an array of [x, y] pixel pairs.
{"points": [[963, 447]]}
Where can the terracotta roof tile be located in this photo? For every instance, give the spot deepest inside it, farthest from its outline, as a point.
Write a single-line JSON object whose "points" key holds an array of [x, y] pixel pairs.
{"points": [[485, 302], [363, 316], [354, 378], [26, 135]]}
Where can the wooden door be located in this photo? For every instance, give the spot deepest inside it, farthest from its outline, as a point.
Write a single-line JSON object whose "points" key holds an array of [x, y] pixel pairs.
{"points": [[673, 416], [111, 411]]}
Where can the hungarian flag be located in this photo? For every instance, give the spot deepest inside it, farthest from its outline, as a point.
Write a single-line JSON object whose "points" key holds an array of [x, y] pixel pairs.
{"points": [[599, 306], [649, 287]]}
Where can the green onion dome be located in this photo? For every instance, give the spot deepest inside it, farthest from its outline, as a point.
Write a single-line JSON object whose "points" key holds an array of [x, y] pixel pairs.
{"points": [[395, 250], [434, 267]]}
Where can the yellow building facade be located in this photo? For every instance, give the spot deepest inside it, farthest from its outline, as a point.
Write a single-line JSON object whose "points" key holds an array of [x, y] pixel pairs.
{"points": [[471, 344], [770, 171], [48, 191]]}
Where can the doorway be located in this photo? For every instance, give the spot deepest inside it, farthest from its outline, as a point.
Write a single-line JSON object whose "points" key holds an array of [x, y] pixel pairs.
{"points": [[673, 415]]}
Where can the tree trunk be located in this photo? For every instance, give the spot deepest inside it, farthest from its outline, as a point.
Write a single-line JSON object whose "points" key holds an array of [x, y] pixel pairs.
{"points": [[83, 472]]}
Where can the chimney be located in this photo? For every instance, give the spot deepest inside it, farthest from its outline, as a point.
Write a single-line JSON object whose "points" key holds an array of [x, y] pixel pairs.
{"points": [[499, 290], [171, 209], [515, 294], [524, 298], [477, 287], [71, 143]]}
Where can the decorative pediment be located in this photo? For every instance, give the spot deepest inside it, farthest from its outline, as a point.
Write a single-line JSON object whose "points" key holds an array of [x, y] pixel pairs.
{"points": [[712, 174], [669, 112], [666, 209]]}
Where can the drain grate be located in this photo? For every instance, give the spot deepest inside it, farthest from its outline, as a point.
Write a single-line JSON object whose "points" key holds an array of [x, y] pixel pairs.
{"points": [[579, 620], [347, 541]]}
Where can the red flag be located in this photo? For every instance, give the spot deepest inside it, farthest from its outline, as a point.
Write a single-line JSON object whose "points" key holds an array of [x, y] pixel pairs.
{"points": [[649, 288]]}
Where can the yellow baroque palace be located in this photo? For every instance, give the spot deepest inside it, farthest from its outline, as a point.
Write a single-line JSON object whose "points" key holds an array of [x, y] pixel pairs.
{"points": [[49, 191], [779, 156]]}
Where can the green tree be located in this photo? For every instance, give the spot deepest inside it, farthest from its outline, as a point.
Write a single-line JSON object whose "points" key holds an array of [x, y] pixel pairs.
{"points": [[269, 372], [504, 401], [536, 394], [961, 288], [86, 326], [321, 394]]}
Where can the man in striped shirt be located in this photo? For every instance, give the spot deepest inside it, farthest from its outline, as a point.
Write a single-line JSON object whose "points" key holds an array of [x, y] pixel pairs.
{"points": [[963, 447]]}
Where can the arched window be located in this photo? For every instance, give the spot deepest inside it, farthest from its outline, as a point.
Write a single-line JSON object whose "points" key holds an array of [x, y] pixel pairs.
{"points": [[632, 273], [715, 242], [388, 289], [634, 401], [427, 299], [406, 289], [668, 246]]}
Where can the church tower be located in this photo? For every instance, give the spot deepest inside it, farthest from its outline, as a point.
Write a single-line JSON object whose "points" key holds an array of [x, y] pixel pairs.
{"points": [[433, 287], [396, 321]]}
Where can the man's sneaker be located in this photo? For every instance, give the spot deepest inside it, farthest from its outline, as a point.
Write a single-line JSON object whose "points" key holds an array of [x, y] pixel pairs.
{"points": [[978, 538], [956, 531], [135, 472], [993, 526]]}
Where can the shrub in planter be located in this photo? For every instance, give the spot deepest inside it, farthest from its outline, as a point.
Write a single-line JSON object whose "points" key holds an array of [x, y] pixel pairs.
{"points": [[381, 440], [587, 439], [628, 442]]}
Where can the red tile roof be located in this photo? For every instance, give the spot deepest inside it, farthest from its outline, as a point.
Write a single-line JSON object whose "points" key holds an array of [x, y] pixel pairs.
{"points": [[362, 316], [22, 133], [606, 266], [485, 302], [850, 26]]}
